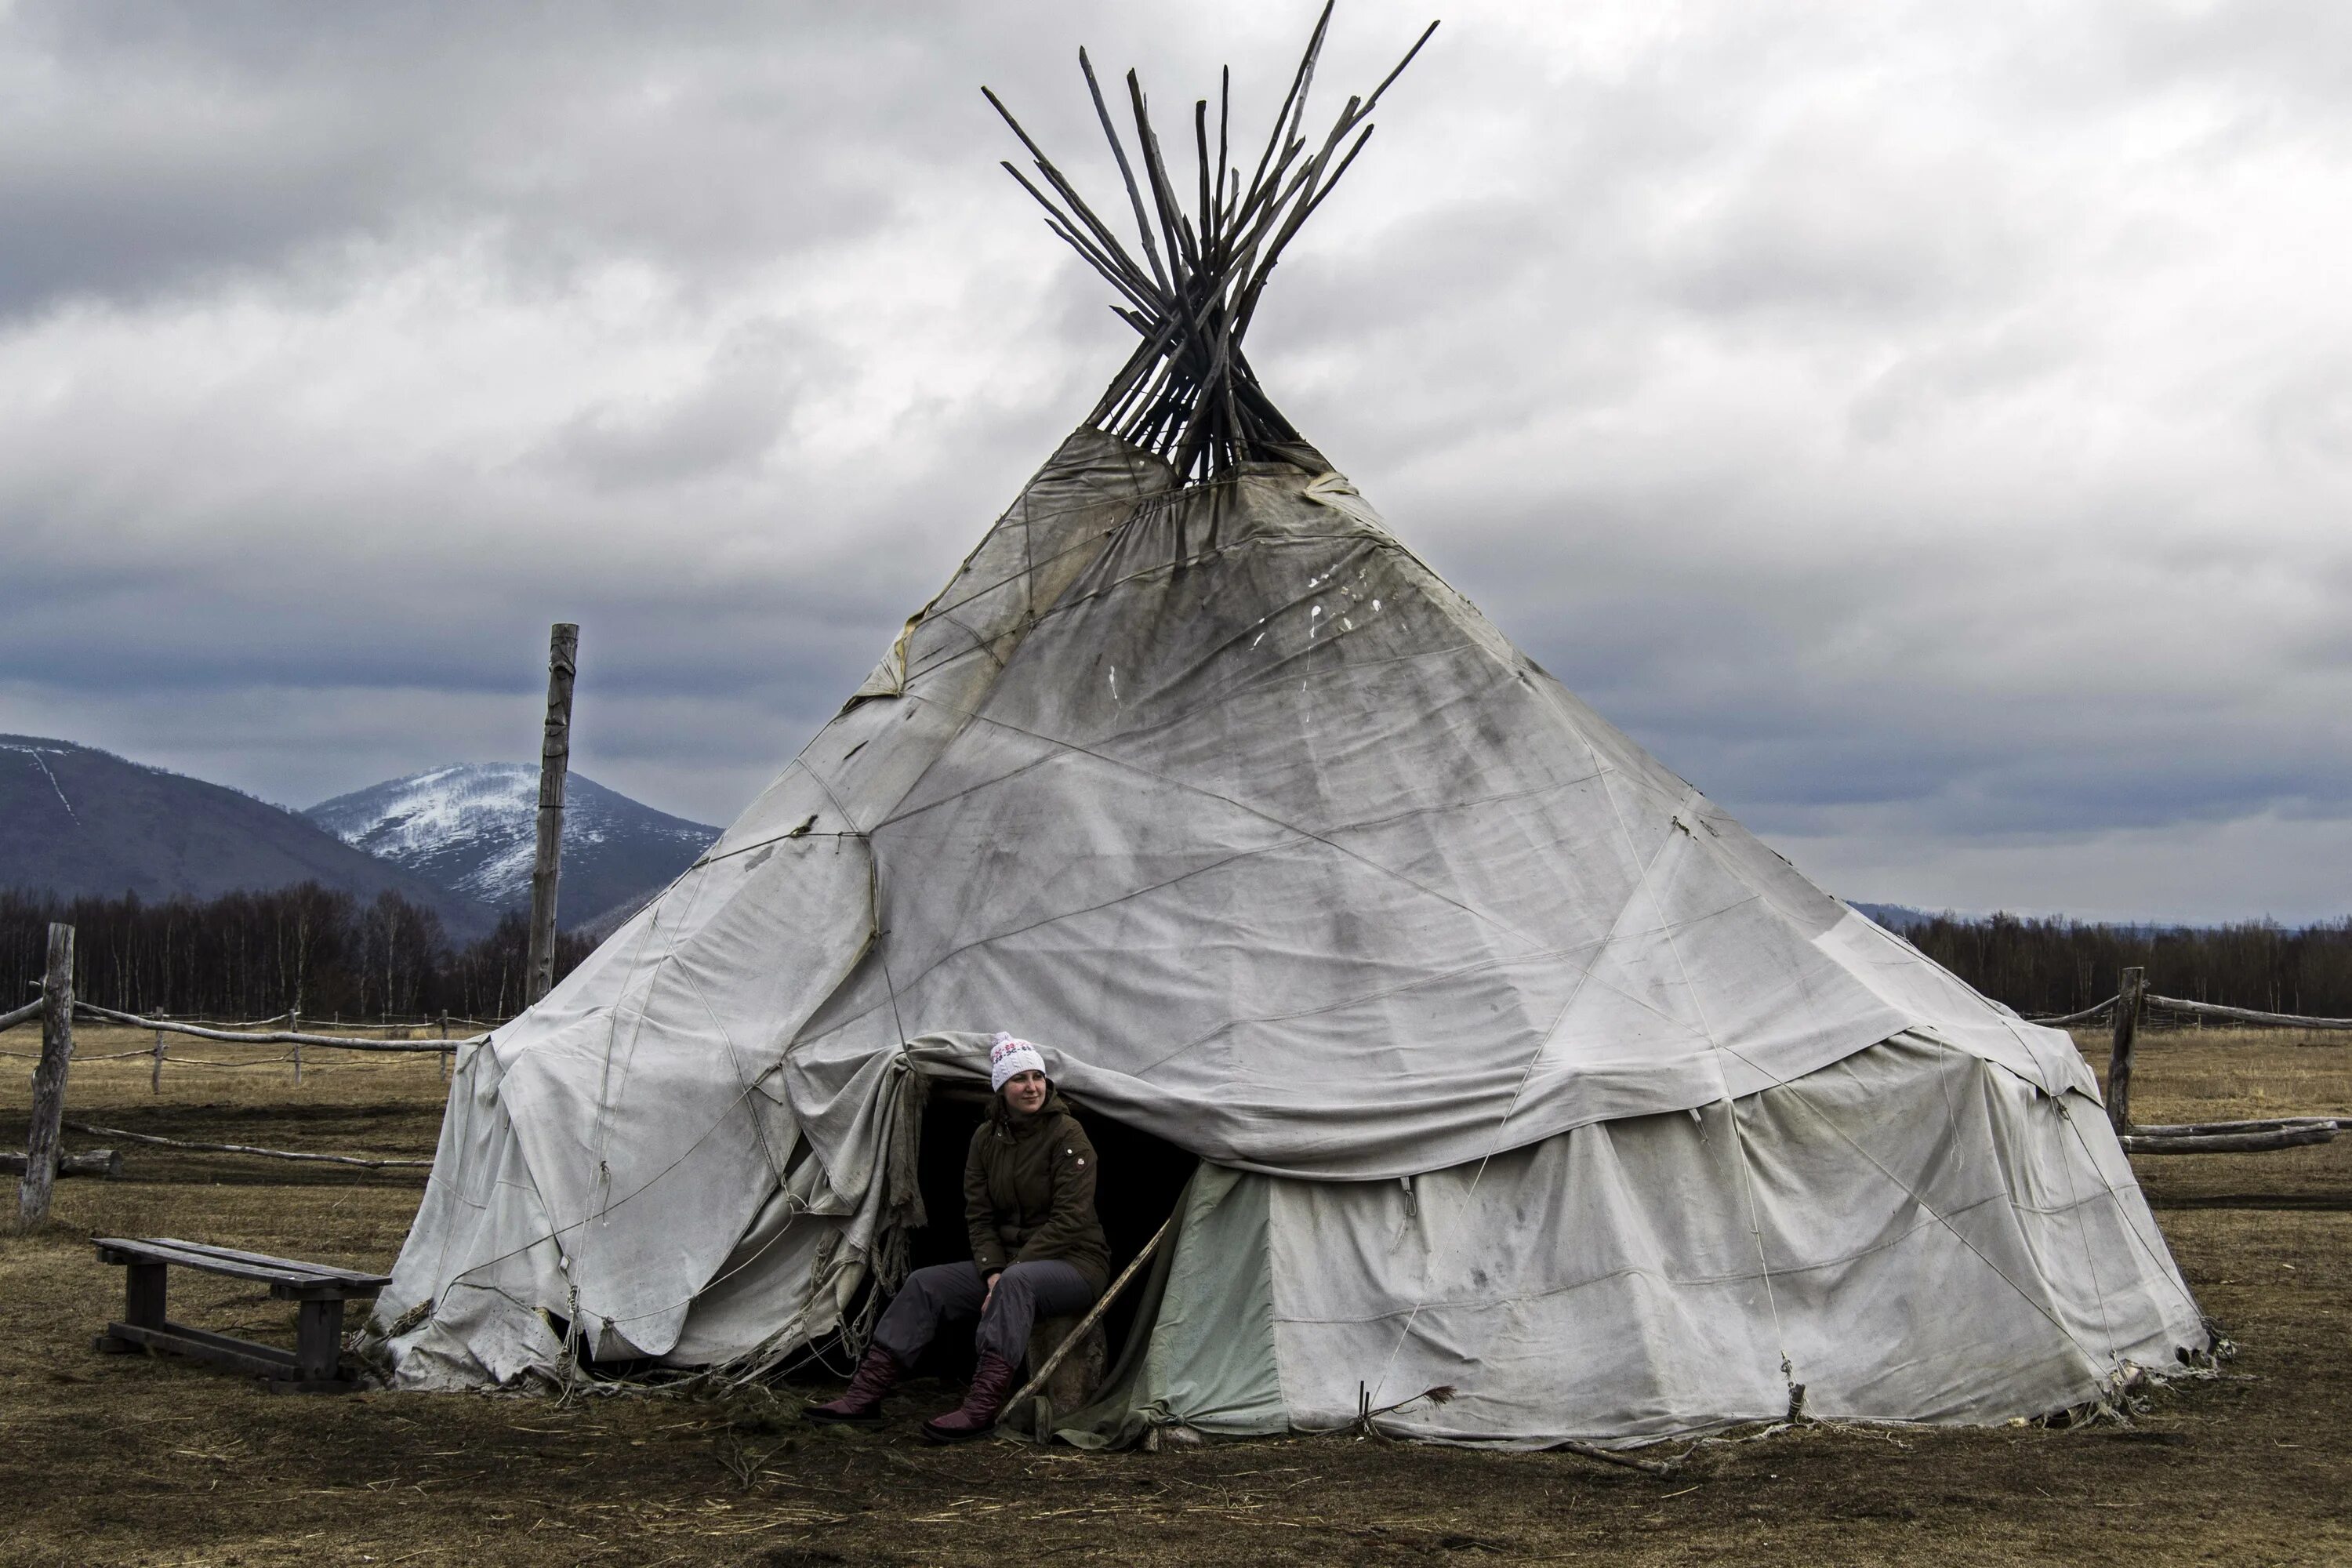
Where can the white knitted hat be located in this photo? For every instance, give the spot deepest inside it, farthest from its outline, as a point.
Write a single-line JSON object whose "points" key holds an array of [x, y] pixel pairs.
{"points": [[1009, 1055]]}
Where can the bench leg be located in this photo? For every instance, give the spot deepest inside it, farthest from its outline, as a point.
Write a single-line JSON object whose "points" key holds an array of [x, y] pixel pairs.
{"points": [[142, 1308], [319, 1341], [142, 1290]]}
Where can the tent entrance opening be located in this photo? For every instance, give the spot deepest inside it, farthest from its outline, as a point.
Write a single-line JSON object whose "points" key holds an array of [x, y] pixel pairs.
{"points": [[1141, 1179]]}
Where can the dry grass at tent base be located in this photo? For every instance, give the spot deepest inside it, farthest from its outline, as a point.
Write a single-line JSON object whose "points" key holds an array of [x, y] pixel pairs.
{"points": [[107, 1459]]}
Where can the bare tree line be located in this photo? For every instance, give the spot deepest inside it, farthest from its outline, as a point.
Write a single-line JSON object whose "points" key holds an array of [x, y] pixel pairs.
{"points": [[2059, 965], [257, 954]]}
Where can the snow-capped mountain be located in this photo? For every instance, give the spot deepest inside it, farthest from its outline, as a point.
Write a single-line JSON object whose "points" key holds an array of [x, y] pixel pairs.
{"points": [[472, 829]]}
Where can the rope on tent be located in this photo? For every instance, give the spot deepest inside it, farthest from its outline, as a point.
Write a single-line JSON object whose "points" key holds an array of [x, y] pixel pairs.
{"points": [[1945, 1220], [1797, 1390], [1731, 1108], [886, 1261], [2090, 1256], [2164, 1270], [1494, 1144], [608, 1204], [603, 1128]]}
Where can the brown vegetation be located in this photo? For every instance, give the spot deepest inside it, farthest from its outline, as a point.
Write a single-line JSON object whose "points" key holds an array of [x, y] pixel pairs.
{"points": [[126, 1460]]}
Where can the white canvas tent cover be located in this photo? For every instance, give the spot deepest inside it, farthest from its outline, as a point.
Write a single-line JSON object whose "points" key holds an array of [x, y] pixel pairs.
{"points": [[1513, 1064]]}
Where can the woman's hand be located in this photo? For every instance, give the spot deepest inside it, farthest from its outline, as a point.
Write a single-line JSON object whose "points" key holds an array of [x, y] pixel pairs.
{"points": [[985, 1299]]}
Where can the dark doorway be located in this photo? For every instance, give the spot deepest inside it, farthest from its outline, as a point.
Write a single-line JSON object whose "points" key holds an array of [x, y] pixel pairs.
{"points": [[1142, 1176]]}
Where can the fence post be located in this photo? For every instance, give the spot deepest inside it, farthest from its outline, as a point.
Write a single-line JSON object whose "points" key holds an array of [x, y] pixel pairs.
{"points": [[49, 1081], [294, 1026], [2133, 987], [155, 1078], [444, 1055], [554, 761]]}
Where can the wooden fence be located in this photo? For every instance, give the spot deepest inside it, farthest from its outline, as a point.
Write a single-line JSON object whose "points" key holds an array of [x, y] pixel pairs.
{"points": [[57, 1008], [2128, 1009]]}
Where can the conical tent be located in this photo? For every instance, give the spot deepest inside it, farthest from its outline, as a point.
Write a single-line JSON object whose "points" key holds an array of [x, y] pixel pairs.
{"points": [[1511, 1064]]}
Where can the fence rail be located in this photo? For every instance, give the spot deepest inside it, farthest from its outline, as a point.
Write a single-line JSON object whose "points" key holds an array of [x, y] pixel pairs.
{"points": [[422, 1021], [269, 1036], [373, 1164], [2098, 1010]]}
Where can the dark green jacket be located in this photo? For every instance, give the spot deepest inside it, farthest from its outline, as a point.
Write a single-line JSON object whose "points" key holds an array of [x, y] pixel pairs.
{"points": [[1029, 1192]]}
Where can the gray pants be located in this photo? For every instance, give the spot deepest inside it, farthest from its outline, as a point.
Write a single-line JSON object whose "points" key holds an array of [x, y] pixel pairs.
{"points": [[951, 1293]]}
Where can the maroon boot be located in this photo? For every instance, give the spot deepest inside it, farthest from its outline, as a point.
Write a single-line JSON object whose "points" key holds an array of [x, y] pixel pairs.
{"points": [[860, 1404], [982, 1402]]}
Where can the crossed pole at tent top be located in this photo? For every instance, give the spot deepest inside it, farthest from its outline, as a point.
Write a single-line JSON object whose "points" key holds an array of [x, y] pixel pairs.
{"points": [[1186, 393]]}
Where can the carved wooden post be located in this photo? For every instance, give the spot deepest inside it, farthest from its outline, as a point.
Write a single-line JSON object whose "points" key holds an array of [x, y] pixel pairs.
{"points": [[2133, 987], [155, 1078], [49, 1081], [554, 761], [445, 1054]]}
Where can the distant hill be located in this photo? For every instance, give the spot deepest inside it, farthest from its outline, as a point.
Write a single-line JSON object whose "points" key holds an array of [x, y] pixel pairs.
{"points": [[1902, 918], [75, 821], [471, 829], [1897, 918]]}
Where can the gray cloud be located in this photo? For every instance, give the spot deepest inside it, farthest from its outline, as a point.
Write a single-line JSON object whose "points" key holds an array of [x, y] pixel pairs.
{"points": [[1929, 428]]}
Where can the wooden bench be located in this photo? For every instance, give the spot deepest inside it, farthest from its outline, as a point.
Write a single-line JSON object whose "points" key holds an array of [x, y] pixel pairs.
{"points": [[315, 1363]]}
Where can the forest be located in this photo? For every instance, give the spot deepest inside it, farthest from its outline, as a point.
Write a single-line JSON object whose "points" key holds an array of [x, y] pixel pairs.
{"points": [[2058, 966], [250, 955], [254, 955]]}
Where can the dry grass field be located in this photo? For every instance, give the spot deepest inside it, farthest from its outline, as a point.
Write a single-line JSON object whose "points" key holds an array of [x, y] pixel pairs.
{"points": [[109, 1459]]}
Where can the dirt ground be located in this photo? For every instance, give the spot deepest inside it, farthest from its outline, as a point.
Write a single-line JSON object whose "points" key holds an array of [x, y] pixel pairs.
{"points": [[125, 1460]]}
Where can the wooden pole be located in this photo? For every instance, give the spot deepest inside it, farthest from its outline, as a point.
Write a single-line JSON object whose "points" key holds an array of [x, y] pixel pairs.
{"points": [[2214, 1129], [49, 1081], [89, 1163], [445, 1054], [2137, 1143], [155, 1078], [554, 761], [2129, 996], [294, 1026], [97, 1132], [1088, 1322], [269, 1037]]}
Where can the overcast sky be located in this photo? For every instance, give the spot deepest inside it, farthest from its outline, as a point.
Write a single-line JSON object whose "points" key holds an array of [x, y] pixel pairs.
{"points": [[1928, 427]]}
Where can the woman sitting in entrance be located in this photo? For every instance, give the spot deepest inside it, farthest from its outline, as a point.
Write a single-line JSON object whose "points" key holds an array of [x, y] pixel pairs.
{"points": [[1037, 1250]]}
